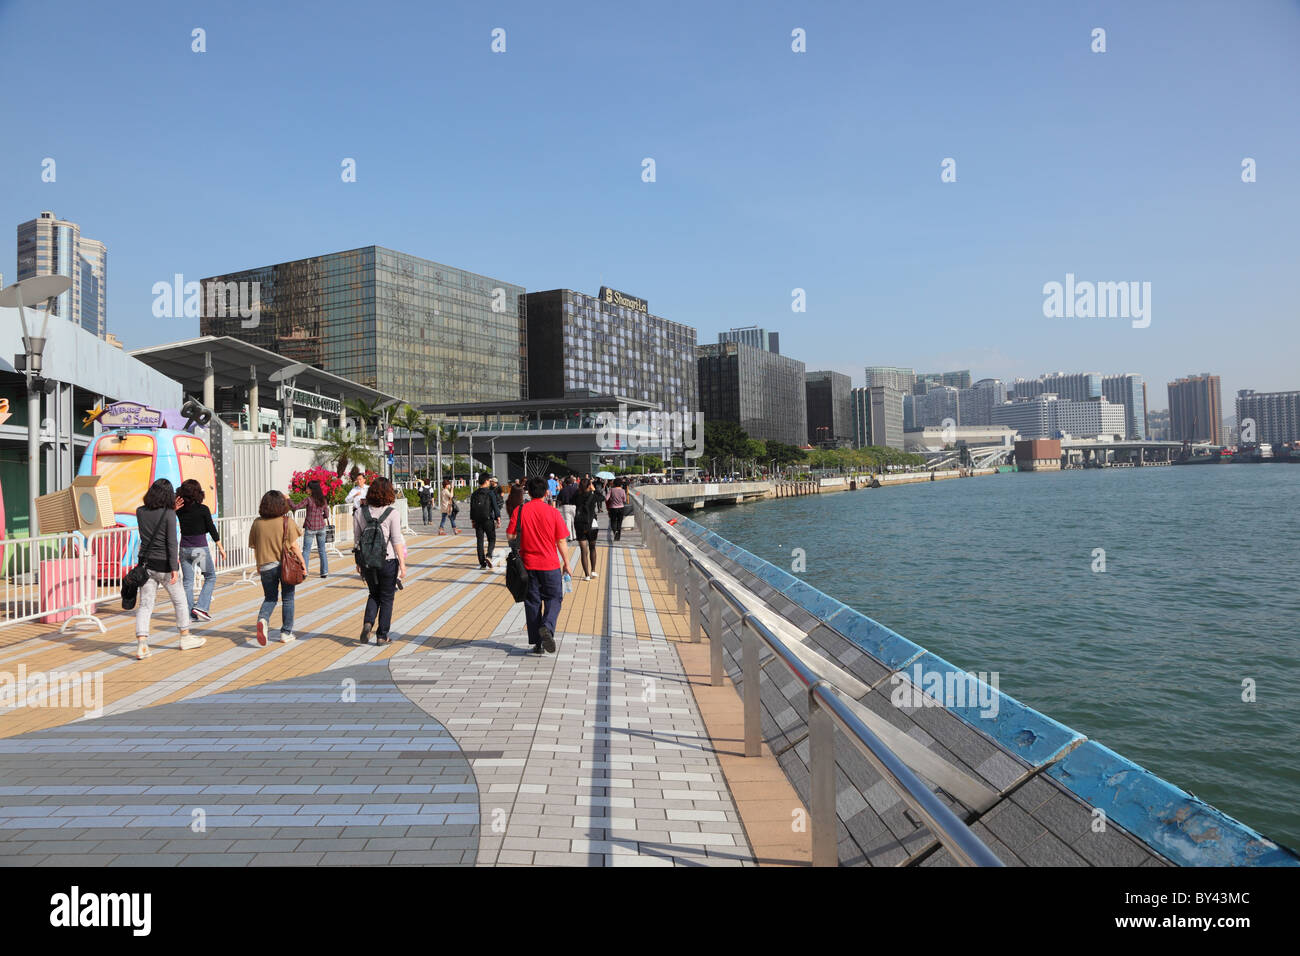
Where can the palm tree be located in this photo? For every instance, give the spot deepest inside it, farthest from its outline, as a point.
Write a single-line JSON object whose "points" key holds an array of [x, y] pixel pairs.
{"points": [[429, 430], [410, 419], [340, 448], [450, 435], [365, 411]]}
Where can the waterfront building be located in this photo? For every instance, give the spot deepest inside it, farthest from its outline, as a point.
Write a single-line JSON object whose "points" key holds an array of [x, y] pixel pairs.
{"points": [[935, 438], [754, 337], [1195, 409], [608, 344], [48, 245], [877, 416], [1076, 387], [1276, 415], [1130, 391], [939, 402], [977, 402], [1048, 415], [890, 376], [393, 322], [761, 391], [830, 416]]}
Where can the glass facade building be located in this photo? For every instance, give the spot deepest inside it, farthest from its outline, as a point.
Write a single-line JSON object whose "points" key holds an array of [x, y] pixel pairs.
{"points": [[891, 376], [762, 391], [426, 332], [877, 417], [754, 336], [829, 414], [581, 345], [1130, 391], [48, 245]]}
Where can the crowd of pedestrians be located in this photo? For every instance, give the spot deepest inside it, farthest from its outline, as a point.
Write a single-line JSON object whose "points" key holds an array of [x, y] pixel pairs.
{"points": [[543, 517]]}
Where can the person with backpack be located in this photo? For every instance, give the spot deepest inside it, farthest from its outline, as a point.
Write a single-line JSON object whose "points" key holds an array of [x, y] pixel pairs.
{"points": [[541, 535], [160, 554], [485, 517], [426, 501], [380, 555], [587, 504]]}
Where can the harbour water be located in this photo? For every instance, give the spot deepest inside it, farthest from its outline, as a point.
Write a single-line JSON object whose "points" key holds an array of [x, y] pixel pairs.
{"points": [[1151, 657]]}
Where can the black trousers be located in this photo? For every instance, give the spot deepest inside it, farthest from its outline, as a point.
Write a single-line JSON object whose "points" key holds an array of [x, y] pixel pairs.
{"points": [[486, 532], [616, 522], [382, 585]]}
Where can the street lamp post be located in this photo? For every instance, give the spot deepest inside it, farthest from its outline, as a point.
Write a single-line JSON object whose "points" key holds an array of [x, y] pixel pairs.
{"points": [[18, 295]]}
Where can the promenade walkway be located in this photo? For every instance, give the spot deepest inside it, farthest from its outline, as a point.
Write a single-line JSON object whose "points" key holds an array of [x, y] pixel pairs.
{"points": [[451, 746]]}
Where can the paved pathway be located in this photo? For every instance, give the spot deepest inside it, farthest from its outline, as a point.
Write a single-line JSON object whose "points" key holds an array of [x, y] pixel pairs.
{"points": [[451, 746]]}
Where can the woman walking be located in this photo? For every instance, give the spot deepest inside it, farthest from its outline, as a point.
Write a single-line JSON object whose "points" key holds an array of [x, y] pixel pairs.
{"points": [[273, 532], [315, 526], [587, 504], [449, 507], [516, 497], [160, 554], [195, 520], [383, 581], [616, 504]]}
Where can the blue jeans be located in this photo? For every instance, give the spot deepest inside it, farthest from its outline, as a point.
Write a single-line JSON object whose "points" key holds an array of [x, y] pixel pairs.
{"points": [[319, 537], [447, 516], [542, 602], [270, 584], [189, 558]]}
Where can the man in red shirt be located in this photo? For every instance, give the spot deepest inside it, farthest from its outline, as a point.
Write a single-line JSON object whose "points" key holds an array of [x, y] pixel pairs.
{"points": [[542, 534]]}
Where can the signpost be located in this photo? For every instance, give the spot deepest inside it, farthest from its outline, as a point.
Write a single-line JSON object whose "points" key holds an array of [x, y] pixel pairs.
{"points": [[273, 438]]}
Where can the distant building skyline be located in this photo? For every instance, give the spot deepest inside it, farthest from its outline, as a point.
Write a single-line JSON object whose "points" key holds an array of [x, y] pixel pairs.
{"points": [[754, 337], [48, 245], [1196, 409]]}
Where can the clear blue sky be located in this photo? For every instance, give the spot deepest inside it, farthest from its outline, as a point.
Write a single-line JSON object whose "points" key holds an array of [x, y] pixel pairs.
{"points": [[775, 170]]}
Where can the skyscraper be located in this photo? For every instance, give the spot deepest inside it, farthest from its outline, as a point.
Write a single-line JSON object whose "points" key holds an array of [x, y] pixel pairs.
{"points": [[977, 402], [1276, 415], [1130, 391], [761, 391], [829, 412], [1195, 409], [891, 376], [1077, 387], [48, 245], [877, 417], [428, 333], [754, 337]]}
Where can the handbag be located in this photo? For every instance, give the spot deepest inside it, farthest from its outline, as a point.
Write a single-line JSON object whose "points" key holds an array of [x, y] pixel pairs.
{"points": [[516, 575], [292, 570], [134, 579]]}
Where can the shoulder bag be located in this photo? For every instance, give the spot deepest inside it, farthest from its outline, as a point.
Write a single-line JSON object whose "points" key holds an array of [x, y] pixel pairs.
{"points": [[292, 571]]}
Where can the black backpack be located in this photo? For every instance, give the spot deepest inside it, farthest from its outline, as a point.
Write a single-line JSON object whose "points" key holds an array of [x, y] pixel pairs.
{"points": [[371, 548], [480, 507]]}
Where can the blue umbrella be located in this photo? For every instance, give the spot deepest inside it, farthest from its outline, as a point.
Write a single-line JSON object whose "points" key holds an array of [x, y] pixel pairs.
{"points": [[605, 474]]}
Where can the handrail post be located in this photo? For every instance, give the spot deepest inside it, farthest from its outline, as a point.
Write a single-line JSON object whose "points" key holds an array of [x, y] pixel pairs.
{"points": [[821, 767], [715, 637], [680, 572], [694, 577], [751, 670]]}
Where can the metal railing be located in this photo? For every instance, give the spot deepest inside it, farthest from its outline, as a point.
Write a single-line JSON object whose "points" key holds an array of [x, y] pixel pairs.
{"points": [[682, 566]]}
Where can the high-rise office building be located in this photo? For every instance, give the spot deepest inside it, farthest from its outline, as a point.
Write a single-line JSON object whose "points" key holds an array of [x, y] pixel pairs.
{"points": [[582, 345], [1130, 391], [891, 376], [48, 245], [1047, 414], [1276, 415], [754, 337], [1195, 409], [977, 402], [426, 332], [959, 379], [940, 403], [761, 391], [877, 417], [1077, 387], [829, 413]]}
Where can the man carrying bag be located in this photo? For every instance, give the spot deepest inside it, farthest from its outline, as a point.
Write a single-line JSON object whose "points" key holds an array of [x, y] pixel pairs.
{"points": [[541, 535]]}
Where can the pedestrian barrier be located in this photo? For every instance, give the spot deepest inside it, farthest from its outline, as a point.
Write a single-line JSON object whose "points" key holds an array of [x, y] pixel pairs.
{"points": [[687, 570]]}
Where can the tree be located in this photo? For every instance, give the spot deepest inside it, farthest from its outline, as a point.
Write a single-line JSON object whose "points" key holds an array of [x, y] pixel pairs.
{"points": [[410, 419], [342, 447], [723, 439], [783, 453], [450, 435], [430, 431]]}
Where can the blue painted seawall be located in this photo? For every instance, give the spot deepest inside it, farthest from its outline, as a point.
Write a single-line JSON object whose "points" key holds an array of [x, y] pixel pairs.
{"points": [[1180, 827]]}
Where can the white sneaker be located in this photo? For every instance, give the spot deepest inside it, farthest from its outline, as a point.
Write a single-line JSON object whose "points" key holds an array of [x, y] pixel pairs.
{"points": [[189, 642], [287, 638], [587, 577], [594, 574]]}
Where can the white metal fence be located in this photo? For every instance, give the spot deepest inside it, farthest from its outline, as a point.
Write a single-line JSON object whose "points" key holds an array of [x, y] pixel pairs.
{"points": [[61, 578]]}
